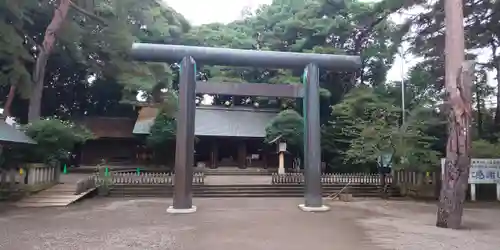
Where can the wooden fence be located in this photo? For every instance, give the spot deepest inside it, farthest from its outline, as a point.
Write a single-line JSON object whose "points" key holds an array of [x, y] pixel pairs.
{"points": [[415, 178], [124, 178], [398, 177], [333, 178]]}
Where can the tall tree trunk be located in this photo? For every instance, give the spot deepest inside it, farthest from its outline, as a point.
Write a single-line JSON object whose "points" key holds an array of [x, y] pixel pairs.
{"points": [[43, 55], [457, 164], [8, 104], [459, 77]]}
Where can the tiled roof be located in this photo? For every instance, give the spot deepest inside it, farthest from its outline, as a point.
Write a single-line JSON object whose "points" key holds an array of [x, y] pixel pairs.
{"points": [[9, 134], [217, 121], [145, 120], [109, 127]]}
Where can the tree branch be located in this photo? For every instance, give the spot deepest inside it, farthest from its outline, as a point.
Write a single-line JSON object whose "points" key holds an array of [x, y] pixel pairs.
{"points": [[88, 14]]}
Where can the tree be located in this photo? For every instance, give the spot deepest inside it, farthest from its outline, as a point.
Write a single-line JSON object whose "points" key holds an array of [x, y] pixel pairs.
{"points": [[92, 47], [370, 125], [42, 57], [485, 149], [288, 125], [162, 132], [55, 138], [15, 53], [481, 32]]}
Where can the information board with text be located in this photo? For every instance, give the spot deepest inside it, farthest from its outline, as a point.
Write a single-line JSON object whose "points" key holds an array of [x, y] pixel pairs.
{"points": [[482, 171]]}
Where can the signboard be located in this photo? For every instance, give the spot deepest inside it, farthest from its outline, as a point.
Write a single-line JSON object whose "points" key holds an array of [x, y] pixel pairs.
{"points": [[482, 171]]}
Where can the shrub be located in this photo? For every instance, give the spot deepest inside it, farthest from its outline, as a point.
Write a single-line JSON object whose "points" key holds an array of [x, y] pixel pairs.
{"points": [[55, 138]]}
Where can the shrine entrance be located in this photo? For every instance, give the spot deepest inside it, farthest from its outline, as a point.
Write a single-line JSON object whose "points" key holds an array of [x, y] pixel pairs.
{"points": [[188, 88]]}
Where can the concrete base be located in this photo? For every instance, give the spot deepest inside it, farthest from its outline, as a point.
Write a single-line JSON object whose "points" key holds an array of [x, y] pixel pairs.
{"points": [[323, 208], [172, 210], [281, 170]]}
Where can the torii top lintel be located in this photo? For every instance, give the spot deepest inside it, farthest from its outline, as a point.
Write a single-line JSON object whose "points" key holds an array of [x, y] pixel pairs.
{"points": [[238, 57]]}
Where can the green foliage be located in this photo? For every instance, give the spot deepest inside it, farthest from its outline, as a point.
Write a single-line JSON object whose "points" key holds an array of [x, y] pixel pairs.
{"points": [[92, 44], [163, 130], [369, 124], [15, 55], [485, 149], [289, 126], [91, 73], [55, 138]]}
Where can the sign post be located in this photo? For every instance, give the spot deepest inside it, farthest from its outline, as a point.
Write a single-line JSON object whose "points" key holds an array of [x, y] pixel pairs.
{"points": [[482, 171]]}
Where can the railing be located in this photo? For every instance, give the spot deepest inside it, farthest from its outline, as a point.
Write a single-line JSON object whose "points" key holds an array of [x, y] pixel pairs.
{"points": [[42, 174], [11, 179], [121, 178], [29, 177], [333, 178], [415, 178], [85, 185]]}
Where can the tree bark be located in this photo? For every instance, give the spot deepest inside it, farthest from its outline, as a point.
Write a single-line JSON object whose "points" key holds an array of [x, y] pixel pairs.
{"points": [[459, 76], [457, 164], [43, 55], [8, 103]]}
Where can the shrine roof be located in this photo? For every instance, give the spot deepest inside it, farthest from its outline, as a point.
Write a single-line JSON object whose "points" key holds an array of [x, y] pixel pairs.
{"points": [[11, 135], [108, 127], [217, 121]]}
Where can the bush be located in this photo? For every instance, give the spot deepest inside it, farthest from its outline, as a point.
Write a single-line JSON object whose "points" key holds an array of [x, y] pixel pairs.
{"points": [[485, 149], [55, 138]]}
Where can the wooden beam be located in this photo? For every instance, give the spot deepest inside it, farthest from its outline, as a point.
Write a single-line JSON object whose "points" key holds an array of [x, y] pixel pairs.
{"points": [[250, 89], [238, 57]]}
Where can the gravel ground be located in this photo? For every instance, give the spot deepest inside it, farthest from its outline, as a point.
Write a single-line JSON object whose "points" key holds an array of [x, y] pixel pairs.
{"points": [[410, 225], [253, 224], [143, 224]]}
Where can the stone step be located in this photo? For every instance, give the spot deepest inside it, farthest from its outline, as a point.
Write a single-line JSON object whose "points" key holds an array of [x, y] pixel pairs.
{"points": [[46, 200], [38, 204], [49, 196], [243, 191], [58, 196], [112, 194], [269, 186]]}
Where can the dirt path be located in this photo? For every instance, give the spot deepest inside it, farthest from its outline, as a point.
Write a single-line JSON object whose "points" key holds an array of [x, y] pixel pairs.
{"points": [[111, 224]]}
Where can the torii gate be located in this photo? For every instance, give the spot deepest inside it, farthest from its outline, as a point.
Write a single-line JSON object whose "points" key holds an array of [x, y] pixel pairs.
{"points": [[188, 87]]}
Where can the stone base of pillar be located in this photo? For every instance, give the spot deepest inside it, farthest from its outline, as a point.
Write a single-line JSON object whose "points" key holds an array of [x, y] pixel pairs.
{"points": [[172, 210], [281, 170], [323, 208]]}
